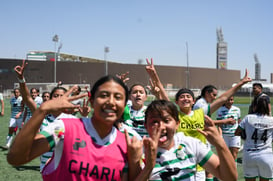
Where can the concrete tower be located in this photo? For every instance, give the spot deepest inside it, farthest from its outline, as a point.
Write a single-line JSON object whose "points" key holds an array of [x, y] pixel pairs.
{"points": [[221, 59], [257, 68]]}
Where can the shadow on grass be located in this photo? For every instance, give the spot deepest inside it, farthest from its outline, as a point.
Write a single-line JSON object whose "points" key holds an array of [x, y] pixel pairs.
{"points": [[25, 167], [22, 167]]}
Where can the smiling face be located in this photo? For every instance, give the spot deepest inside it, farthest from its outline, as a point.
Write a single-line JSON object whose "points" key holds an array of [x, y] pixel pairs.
{"points": [[138, 96], [33, 93], [108, 103], [185, 102], [167, 124], [211, 96], [229, 102]]}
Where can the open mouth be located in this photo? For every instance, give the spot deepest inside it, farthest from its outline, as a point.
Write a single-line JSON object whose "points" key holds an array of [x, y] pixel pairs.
{"points": [[163, 137], [138, 99], [186, 103], [109, 110]]}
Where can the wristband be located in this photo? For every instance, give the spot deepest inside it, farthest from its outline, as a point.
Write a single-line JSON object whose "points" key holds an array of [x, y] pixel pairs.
{"points": [[23, 80]]}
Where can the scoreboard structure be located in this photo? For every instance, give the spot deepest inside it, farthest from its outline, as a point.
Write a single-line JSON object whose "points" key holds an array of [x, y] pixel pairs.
{"points": [[221, 52]]}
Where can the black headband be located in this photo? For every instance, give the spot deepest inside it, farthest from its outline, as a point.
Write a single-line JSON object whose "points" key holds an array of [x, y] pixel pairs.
{"points": [[182, 91]]}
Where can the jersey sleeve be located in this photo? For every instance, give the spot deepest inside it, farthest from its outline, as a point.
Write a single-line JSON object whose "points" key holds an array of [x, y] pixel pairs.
{"points": [[206, 109], [54, 132], [203, 153], [199, 104]]}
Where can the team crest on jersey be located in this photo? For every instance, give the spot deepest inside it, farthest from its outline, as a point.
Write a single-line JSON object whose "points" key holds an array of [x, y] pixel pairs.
{"points": [[180, 153]]}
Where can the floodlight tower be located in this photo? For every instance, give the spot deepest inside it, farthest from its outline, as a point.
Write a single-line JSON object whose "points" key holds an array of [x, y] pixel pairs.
{"points": [[188, 69], [106, 50], [55, 39], [257, 68], [221, 59]]}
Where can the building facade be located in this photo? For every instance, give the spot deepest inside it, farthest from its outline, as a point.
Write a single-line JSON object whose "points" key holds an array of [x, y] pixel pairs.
{"points": [[88, 72]]}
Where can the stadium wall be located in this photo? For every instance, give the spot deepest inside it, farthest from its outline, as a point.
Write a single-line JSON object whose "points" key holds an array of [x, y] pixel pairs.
{"points": [[89, 72]]}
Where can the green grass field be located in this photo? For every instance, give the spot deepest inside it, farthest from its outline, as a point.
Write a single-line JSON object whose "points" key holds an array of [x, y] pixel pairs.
{"points": [[31, 171]]}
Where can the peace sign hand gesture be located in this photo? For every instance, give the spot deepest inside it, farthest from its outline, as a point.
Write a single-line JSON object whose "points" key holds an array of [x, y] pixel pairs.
{"points": [[150, 68], [154, 89], [85, 109], [62, 103]]}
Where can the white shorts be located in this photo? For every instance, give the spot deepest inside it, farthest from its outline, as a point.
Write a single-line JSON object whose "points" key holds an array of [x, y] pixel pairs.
{"points": [[200, 175], [13, 123], [258, 164], [232, 141]]}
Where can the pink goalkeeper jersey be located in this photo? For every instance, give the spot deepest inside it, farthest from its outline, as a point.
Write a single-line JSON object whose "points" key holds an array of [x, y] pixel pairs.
{"points": [[83, 159]]}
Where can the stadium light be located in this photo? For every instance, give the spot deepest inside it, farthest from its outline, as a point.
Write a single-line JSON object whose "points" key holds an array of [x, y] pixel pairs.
{"points": [[188, 70], [55, 39], [106, 50]]}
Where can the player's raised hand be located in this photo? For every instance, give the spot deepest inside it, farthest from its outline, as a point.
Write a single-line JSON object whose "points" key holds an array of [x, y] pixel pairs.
{"points": [[123, 77], [20, 69]]}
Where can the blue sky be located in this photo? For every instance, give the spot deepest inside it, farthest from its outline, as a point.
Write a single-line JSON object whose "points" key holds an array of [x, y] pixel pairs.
{"points": [[139, 29]]}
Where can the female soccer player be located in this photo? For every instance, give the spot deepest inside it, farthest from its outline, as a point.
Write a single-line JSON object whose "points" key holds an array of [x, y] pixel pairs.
{"points": [[174, 156], [84, 149], [257, 152]]}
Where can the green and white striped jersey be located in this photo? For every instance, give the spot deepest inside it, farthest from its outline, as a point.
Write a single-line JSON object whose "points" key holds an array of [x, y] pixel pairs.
{"points": [[225, 113], [137, 119], [179, 163]]}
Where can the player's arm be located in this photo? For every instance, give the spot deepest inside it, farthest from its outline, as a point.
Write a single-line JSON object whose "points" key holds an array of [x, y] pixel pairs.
{"points": [[28, 144], [154, 89], [150, 147], [224, 97], [134, 152], [222, 166], [225, 121], [155, 79], [23, 87], [240, 132], [24, 115]]}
